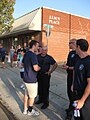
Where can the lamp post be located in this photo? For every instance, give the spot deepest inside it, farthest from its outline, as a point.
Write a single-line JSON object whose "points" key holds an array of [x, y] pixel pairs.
{"points": [[48, 31]]}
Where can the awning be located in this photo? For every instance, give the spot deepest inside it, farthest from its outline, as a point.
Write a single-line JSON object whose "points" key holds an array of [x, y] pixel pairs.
{"points": [[28, 22]]}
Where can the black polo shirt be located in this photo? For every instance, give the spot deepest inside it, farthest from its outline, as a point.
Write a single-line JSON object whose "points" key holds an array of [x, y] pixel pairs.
{"points": [[72, 59], [45, 62], [82, 72]]}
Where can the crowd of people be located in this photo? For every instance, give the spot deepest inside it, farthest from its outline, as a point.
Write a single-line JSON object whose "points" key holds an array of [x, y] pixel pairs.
{"points": [[36, 67]]}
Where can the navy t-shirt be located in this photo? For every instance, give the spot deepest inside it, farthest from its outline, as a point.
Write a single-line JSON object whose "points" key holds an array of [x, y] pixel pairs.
{"points": [[82, 72], [45, 62], [30, 59]]}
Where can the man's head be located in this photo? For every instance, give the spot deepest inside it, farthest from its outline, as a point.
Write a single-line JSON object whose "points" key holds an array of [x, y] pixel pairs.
{"points": [[82, 45], [44, 50], [72, 44], [34, 45]]}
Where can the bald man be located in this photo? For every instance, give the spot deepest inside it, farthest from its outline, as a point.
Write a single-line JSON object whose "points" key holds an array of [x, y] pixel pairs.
{"points": [[47, 65]]}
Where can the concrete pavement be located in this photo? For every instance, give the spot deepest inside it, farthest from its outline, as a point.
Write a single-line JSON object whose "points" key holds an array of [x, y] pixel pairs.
{"points": [[5, 114], [12, 95]]}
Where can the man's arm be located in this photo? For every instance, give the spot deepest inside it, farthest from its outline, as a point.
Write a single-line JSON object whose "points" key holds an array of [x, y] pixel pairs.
{"points": [[85, 95], [53, 67], [66, 67]]}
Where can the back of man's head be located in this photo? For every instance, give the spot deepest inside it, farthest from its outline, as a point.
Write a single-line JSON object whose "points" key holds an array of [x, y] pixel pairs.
{"points": [[83, 44]]}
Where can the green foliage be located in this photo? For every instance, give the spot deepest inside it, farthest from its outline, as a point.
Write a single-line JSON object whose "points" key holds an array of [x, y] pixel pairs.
{"points": [[6, 15]]}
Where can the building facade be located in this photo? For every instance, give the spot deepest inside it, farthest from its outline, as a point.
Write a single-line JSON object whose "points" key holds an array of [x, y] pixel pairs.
{"points": [[50, 27]]}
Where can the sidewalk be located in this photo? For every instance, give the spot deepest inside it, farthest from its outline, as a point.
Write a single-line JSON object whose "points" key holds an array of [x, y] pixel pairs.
{"points": [[12, 95]]}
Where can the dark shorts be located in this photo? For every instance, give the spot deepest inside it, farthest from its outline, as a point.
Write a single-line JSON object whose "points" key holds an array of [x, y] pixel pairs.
{"points": [[22, 74]]}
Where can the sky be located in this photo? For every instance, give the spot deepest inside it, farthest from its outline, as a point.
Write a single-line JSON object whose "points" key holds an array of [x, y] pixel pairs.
{"points": [[76, 7]]}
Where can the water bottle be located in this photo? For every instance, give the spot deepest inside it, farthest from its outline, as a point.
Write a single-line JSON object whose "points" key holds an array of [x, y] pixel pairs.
{"points": [[76, 111]]}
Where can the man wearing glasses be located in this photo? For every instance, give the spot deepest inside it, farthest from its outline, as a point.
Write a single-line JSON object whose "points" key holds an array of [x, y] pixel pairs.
{"points": [[69, 67]]}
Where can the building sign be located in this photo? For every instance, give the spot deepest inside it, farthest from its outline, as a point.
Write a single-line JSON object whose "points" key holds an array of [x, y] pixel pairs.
{"points": [[54, 20]]}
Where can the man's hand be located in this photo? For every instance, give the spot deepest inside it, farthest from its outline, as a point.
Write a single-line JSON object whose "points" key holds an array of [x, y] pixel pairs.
{"points": [[85, 95], [49, 73], [65, 67], [80, 104], [54, 66]]}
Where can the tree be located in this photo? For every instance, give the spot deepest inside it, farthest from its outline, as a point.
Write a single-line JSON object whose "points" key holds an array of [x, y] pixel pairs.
{"points": [[6, 15]]}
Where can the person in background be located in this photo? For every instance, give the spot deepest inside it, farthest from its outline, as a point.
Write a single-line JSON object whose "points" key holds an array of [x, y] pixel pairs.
{"points": [[25, 48], [15, 58], [33, 37], [69, 67], [2, 55], [47, 65], [8, 57], [19, 49], [21, 68], [31, 68], [11, 55], [81, 82]]}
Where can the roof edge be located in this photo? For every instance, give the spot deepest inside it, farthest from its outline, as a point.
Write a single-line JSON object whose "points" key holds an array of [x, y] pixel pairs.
{"points": [[64, 12], [28, 13]]}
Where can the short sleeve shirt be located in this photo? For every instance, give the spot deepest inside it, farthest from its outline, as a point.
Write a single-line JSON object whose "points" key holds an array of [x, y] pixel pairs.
{"points": [[30, 59], [45, 62], [72, 59], [82, 72], [11, 52]]}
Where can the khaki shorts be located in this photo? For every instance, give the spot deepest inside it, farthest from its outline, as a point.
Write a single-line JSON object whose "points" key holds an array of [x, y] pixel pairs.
{"points": [[31, 89]]}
